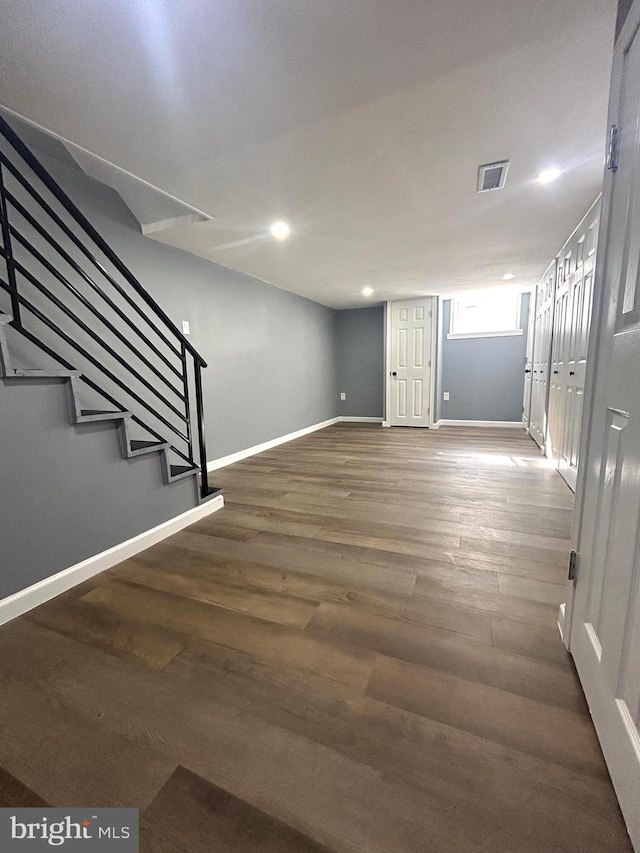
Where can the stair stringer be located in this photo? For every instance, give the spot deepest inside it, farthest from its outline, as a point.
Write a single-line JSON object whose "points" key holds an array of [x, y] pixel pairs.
{"points": [[129, 447]]}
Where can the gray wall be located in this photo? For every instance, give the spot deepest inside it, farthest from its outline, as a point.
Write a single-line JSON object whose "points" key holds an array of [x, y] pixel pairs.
{"points": [[484, 376], [360, 359], [271, 354], [66, 492]]}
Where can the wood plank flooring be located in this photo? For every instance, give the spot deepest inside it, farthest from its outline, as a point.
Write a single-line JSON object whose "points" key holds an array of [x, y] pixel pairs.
{"points": [[359, 654]]}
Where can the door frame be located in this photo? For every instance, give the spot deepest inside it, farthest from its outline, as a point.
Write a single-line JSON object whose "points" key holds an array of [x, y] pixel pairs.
{"points": [[433, 302], [623, 42]]}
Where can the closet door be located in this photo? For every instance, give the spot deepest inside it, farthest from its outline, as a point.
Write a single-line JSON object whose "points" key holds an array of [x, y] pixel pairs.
{"points": [[580, 297], [605, 623], [561, 334], [541, 355], [528, 367], [536, 428], [563, 315]]}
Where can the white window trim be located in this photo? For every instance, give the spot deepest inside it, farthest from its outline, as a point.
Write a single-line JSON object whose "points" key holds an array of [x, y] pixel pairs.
{"points": [[462, 335], [501, 333]]}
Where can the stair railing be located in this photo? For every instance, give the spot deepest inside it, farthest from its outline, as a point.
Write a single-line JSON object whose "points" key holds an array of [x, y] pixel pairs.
{"points": [[173, 382]]}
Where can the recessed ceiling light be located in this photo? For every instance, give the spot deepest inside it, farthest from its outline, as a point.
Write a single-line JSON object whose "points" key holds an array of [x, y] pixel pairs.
{"points": [[548, 176], [280, 230], [367, 291], [508, 276]]}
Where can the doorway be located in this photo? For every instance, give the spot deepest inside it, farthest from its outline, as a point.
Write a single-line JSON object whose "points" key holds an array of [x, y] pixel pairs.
{"points": [[410, 358]]}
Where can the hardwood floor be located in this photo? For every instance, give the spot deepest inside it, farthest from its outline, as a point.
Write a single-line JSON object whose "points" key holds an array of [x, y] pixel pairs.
{"points": [[359, 654]]}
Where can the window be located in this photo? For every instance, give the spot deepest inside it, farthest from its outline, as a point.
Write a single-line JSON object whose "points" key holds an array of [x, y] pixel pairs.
{"points": [[485, 315]]}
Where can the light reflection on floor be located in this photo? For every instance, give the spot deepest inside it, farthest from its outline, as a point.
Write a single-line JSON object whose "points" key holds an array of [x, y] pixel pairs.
{"points": [[493, 459]]}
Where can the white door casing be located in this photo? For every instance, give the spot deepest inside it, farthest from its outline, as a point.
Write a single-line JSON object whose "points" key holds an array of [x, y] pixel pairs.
{"points": [[410, 363], [605, 611]]}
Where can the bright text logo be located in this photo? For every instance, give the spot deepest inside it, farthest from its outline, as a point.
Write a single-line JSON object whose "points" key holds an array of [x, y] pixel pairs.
{"points": [[104, 830]]}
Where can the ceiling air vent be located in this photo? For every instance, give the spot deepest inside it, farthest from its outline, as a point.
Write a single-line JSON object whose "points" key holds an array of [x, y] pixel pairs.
{"points": [[492, 176]]}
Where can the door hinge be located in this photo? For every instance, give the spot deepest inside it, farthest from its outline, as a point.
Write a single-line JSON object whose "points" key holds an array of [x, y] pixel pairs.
{"points": [[613, 152], [573, 565]]}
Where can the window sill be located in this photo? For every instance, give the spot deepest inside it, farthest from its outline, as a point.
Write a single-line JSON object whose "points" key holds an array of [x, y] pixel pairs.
{"points": [[462, 335]]}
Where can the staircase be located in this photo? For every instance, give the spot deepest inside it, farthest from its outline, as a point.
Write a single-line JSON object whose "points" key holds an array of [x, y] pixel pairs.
{"points": [[72, 310]]}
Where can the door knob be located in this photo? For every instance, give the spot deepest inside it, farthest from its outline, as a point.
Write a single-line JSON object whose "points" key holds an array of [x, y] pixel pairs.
{"points": [[527, 371], [572, 373], [555, 371], [394, 373]]}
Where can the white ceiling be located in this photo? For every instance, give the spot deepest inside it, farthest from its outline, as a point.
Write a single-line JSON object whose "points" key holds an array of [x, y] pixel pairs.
{"points": [[361, 122]]}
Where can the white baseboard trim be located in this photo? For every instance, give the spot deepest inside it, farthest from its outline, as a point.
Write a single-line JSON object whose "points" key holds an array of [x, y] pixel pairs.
{"points": [[25, 600], [436, 425], [386, 424], [504, 424], [223, 461]]}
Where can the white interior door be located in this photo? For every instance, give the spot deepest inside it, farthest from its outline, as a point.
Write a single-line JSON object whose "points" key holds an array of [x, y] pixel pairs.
{"points": [[605, 621], [537, 407], [559, 357], [541, 355], [410, 363], [528, 367], [579, 312]]}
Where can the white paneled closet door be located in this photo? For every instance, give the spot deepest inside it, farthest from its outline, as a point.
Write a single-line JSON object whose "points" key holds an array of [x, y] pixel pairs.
{"points": [[541, 355], [580, 306], [605, 622], [571, 321], [559, 357], [528, 366]]}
